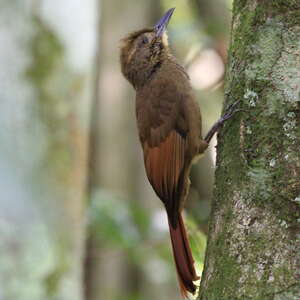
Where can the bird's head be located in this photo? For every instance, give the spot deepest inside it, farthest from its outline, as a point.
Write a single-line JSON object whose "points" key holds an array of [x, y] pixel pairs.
{"points": [[142, 51]]}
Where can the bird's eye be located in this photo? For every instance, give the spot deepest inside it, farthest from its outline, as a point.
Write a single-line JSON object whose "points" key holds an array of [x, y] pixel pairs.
{"points": [[145, 40]]}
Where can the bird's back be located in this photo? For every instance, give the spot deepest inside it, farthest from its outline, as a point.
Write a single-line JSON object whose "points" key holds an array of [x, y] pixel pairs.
{"points": [[169, 126], [167, 102]]}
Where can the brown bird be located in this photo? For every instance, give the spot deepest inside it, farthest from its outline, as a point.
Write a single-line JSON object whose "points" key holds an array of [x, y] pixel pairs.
{"points": [[169, 126]]}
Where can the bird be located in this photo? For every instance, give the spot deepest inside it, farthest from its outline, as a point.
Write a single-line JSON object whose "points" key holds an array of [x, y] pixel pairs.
{"points": [[169, 127]]}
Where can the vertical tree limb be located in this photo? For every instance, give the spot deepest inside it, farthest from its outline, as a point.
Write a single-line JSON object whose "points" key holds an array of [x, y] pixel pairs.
{"points": [[251, 251], [46, 76]]}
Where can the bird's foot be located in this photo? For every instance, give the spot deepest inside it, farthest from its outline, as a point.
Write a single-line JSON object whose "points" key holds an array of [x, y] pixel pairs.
{"points": [[229, 112]]}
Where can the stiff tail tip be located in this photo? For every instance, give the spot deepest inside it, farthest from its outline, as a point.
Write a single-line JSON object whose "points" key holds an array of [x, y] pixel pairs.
{"points": [[184, 261]]}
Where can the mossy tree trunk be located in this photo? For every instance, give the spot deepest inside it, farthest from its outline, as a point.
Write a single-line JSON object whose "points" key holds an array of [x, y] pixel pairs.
{"points": [[251, 251], [46, 78]]}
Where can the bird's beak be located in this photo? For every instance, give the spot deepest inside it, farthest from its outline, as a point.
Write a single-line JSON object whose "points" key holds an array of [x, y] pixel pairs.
{"points": [[162, 24]]}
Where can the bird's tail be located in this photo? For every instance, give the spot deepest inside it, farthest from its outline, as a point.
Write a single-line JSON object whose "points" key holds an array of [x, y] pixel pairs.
{"points": [[183, 257]]}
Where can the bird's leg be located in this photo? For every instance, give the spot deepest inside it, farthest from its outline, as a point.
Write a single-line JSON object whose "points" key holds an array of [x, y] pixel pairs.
{"points": [[230, 111]]}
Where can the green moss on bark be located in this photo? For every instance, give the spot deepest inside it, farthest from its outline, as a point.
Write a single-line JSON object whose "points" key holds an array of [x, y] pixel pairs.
{"points": [[251, 250], [54, 84], [52, 281], [46, 52], [48, 76]]}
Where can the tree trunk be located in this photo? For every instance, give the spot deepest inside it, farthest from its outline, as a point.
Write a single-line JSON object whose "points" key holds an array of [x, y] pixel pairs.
{"points": [[251, 251], [46, 75]]}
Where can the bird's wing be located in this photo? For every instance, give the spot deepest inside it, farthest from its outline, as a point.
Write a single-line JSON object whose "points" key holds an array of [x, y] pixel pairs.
{"points": [[163, 131]]}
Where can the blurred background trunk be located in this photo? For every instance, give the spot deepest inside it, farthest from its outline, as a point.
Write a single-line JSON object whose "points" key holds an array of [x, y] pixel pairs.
{"points": [[46, 79], [213, 20], [251, 251]]}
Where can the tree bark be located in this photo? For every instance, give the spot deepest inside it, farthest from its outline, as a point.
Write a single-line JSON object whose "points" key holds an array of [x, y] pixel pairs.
{"points": [[46, 76], [251, 252]]}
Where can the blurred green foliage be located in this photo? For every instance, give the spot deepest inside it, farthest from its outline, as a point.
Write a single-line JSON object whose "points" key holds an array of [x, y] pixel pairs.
{"points": [[115, 222], [125, 225]]}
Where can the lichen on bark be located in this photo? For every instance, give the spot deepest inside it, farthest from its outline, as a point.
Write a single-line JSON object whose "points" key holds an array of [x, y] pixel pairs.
{"points": [[251, 251]]}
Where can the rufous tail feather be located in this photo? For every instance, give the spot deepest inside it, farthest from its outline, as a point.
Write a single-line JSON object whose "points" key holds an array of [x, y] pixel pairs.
{"points": [[183, 258]]}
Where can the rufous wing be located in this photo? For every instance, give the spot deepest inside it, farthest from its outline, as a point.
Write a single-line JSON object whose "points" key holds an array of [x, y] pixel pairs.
{"points": [[164, 165], [163, 131]]}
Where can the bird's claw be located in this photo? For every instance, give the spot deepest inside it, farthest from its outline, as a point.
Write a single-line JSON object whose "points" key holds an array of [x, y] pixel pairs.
{"points": [[229, 112]]}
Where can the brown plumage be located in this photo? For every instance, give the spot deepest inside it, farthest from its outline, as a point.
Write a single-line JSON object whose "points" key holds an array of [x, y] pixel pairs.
{"points": [[169, 125]]}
